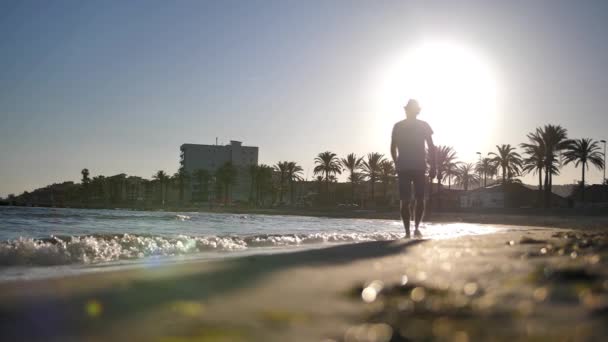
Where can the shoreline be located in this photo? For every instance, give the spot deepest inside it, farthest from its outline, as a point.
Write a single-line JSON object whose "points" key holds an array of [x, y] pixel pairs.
{"points": [[479, 287], [575, 218]]}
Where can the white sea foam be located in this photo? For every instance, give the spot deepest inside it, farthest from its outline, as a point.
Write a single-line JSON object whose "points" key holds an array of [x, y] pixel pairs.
{"points": [[103, 248]]}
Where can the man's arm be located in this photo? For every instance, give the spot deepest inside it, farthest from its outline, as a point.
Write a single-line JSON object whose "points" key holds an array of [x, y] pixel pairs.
{"points": [[394, 151], [432, 159], [393, 147]]}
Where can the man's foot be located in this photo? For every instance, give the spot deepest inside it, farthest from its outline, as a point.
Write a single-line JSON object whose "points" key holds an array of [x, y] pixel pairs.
{"points": [[417, 233], [407, 235]]}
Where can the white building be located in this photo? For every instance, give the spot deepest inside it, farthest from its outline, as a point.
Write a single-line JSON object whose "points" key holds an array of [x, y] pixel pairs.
{"points": [[210, 157]]}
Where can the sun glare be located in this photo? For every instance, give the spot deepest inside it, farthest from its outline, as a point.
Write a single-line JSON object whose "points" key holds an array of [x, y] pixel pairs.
{"points": [[455, 86]]}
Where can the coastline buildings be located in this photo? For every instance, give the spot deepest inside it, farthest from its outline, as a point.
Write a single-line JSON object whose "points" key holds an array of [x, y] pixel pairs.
{"points": [[195, 157]]}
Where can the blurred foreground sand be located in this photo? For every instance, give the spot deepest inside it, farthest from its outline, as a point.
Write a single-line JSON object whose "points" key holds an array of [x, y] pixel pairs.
{"points": [[522, 284]]}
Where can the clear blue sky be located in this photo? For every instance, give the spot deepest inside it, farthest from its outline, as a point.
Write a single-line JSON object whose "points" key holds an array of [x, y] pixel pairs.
{"points": [[117, 86]]}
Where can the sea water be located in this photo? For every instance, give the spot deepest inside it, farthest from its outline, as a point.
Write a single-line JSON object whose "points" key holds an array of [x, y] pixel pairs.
{"points": [[50, 242]]}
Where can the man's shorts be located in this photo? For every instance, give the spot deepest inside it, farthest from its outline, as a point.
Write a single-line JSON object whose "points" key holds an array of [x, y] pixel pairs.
{"points": [[409, 178]]}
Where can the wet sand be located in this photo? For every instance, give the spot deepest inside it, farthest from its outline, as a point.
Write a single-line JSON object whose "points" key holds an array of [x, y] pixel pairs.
{"points": [[524, 283]]}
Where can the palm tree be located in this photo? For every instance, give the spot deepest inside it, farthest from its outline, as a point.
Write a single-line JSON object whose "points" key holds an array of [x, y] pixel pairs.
{"points": [[466, 175], [116, 186], [352, 163], [387, 174], [203, 177], [85, 184], [508, 160], [328, 164], [294, 174], [281, 168], [263, 182], [181, 178], [451, 171], [226, 177], [163, 180], [372, 168], [535, 157], [252, 170], [98, 185], [445, 157], [486, 168], [555, 139], [582, 152]]}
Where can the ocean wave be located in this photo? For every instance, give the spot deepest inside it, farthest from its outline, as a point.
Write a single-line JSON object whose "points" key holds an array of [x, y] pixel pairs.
{"points": [[90, 249]]}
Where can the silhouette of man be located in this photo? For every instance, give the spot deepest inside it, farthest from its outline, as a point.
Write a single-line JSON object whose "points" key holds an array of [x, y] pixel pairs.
{"points": [[410, 157]]}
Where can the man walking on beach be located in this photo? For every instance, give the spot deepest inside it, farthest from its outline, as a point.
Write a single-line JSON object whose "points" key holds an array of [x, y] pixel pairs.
{"points": [[409, 155]]}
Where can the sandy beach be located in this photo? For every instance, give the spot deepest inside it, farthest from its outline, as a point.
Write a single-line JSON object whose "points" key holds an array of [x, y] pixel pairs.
{"points": [[523, 283]]}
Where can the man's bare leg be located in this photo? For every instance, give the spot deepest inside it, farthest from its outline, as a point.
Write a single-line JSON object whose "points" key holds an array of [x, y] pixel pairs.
{"points": [[405, 216], [418, 215]]}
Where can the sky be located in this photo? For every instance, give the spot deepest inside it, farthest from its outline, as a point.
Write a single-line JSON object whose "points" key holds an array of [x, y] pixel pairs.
{"points": [[118, 86]]}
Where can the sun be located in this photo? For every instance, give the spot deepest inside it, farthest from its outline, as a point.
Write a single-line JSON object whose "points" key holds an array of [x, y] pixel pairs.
{"points": [[455, 86]]}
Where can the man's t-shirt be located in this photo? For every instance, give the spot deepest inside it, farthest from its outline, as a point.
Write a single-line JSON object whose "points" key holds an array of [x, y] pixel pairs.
{"points": [[410, 136]]}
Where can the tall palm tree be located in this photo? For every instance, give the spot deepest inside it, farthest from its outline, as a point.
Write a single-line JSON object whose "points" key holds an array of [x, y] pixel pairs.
{"points": [[163, 179], [203, 177], [508, 160], [534, 162], [582, 152], [226, 176], [387, 174], [451, 170], [98, 185], [485, 168], [281, 168], [86, 181], [445, 159], [555, 140], [372, 168], [328, 164], [466, 175], [181, 179], [352, 163], [252, 171], [263, 183], [294, 174], [116, 185]]}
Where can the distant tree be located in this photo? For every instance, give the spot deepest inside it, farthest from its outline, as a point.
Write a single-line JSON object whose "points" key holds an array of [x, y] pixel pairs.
{"points": [[466, 175], [86, 181], [485, 168], [352, 163], [445, 161], [203, 177], [555, 140], [508, 161], [264, 183], [181, 179], [163, 180], [534, 162], [85, 176], [372, 168], [98, 187], [328, 164], [451, 170], [226, 176], [387, 174], [582, 152], [116, 185], [281, 168], [294, 174], [445, 158], [252, 172]]}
